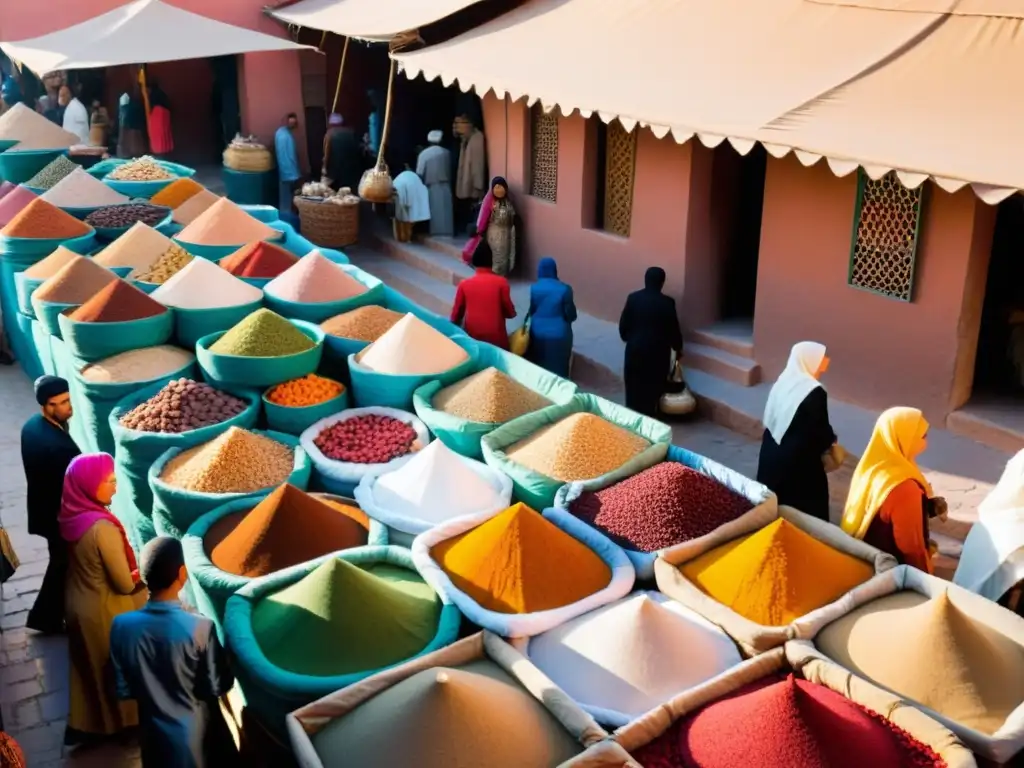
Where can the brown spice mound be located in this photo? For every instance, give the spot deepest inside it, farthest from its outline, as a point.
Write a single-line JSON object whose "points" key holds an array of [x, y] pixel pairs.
{"points": [[489, 396], [117, 302], [363, 324], [76, 282]]}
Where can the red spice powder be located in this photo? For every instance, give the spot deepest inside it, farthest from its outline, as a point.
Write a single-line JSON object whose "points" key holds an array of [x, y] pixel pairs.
{"points": [[259, 259], [782, 722], [41, 219], [117, 302]]}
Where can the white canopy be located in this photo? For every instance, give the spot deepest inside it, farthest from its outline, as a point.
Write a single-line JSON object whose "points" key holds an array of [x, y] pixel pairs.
{"points": [[375, 20], [143, 32]]}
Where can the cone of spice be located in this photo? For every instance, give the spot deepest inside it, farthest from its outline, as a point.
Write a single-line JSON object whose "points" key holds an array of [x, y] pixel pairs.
{"points": [[52, 264], [137, 249], [52, 173], [177, 192], [412, 348], [14, 202], [490, 397], [118, 302], [259, 259], [201, 284], [6, 188], [263, 334], [194, 207], [367, 323], [315, 279], [224, 223], [39, 219], [33, 131], [237, 461], [80, 189], [75, 283]]}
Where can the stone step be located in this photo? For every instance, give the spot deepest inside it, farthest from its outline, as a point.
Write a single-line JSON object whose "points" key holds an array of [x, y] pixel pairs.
{"points": [[733, 343], [447, 246], [724, 365], [988, 426]]}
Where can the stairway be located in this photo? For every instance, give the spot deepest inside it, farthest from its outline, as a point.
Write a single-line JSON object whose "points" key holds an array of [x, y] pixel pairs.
{"points": [[724, 350]]}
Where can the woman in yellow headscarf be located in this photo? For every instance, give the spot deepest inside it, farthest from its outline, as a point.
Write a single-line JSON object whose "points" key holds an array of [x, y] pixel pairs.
{"points": [[890, 501]]}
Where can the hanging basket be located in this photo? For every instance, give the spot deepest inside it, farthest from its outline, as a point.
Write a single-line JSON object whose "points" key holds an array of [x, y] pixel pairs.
{"points": [[328, 224], [376, 186], [252, 159]]}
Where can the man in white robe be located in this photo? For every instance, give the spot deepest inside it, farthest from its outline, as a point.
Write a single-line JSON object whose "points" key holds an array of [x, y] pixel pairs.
{"points": [[412, 204], [434, 166]]}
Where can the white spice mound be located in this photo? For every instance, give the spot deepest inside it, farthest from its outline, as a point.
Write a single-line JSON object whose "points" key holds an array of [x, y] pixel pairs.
{"points": [[411, 347], [138, 365], [201, 284], [490, 397], [33, 131], [138, 248], [80, 189], [52, 264], [238, 461]]}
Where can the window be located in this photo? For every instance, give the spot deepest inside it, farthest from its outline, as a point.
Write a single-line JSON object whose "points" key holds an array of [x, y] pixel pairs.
{"points": [[543, 153], [886, 229], [616, 166]]}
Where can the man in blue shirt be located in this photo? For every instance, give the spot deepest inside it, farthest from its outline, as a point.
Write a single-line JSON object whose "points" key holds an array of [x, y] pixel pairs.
{"points": [[287, 161], [171, 663]]}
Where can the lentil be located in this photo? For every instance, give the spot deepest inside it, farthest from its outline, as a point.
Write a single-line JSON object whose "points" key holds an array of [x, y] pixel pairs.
{"points": [[579, 447], [33, 131], [117, 302], [201, 284], [177, 192], [306, 390], [114, 216], [363, 324], [80, 189], [259, 259], [40, 219], [181, 406], [138, 248], [367, 440], [410, 348], [262, 334], [52, 264], [489, 397], [175, 259], [224, 223], [75, 283], [237, 461], [52, 173], [314, 279], [137, 365], [194, 207], [660, 507], [144, 168]]}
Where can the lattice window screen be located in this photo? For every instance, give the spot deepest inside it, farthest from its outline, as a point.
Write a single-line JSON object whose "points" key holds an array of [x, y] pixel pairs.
{"points": [[886, 231], [544, 154], [619, 171]]}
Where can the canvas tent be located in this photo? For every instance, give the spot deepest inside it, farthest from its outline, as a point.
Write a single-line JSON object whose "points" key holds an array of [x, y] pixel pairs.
{"points": [[373, 20]]}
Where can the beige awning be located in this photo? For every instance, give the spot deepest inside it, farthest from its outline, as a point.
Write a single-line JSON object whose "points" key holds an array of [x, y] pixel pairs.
{"points": [[375, 20], [143, 32], [906, 85]]}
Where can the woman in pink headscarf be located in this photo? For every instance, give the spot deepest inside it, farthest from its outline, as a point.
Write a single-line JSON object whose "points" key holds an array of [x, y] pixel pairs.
{"points": [[103, 582]]}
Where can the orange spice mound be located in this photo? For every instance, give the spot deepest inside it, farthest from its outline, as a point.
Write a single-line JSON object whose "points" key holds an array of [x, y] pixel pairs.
{"points": [[40, 219], [259, 259], [177, 192], [305, 390]]}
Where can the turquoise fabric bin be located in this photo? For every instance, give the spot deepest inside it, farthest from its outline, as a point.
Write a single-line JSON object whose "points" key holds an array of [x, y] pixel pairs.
{"points": [[236, 370], [18, 166], [249, 187], [39, 247], [294, 420], [48, 314], [190, 325], [95, 341], [24, 287]]}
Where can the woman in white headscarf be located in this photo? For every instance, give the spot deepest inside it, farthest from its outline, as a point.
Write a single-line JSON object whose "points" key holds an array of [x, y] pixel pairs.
{"points": [[797, 433], [992, 561]]}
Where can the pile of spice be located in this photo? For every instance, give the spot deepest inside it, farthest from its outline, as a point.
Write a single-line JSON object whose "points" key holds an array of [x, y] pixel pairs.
{"points": [[238, 461], [33, 131], [144, 168], [117, 216], [6, 188], [137, 365], [490, 397], [370, 439], [781, 722], [362, 324], [75, 283], [137, 249], [181, 406], [201, 284], [80, 189], [177, 192], [259, 259], [117, 302], [931, 652], [625, 657], [53, 172], [305, 390], [342, 619], [517, 562], [422, 488], [660, 507], [412, 348], [315, 279], [42, 220], [52, 264], [286, 528], [194, 207], [224, 223], [776, 574], [174, 259], [448, 717], [262, 334], [14, 203], [581, 446]]}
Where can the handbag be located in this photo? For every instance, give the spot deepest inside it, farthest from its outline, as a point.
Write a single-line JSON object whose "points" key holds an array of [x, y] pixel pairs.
{"points": [[833, 458], [677, 400], [519, 339], [9, 561]]}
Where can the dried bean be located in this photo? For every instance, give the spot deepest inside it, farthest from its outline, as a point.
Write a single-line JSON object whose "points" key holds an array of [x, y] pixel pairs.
{"points": [[126, 215], [181, 406], [366, 440]]}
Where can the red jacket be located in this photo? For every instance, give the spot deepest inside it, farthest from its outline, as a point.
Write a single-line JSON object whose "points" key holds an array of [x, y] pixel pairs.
{"points": [[482, 304]]}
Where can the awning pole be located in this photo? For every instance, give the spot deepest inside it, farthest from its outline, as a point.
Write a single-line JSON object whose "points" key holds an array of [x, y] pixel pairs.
{"points": [[387, 116], [341, 71]]}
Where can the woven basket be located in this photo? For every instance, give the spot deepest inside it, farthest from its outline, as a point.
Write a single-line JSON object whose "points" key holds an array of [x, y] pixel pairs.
{"points": [[328, 224], [251, 159], [376, 186]]}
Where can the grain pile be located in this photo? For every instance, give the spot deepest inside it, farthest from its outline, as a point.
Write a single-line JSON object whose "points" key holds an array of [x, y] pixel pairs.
{"points": [[75, 283], [181, 406], [80, 189], [581, 446], [177, 192], [315, 279], [489, 397], [660, 507], [237, 461], [369, 439], [137, 249], [52, 264], [117, 216], [304, 391], [259, 259], [174, 259], [286, 528], [194, 207], [412, 348], [52, 173], [137, 365], [224, 223], [40, 219], [144, 168], [201, 284], [33, 131], [262, 334], [117, 302], [14, 202], [363, 324]]}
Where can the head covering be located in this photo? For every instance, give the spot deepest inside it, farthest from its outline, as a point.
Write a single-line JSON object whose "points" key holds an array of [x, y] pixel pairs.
{"points": [[654, 279], [499, 181], [483, 256], [50, 386], [335, 119], [434, 137], [547, 268], [160, 562], [792, 387], [887, 462], [483, 219]]}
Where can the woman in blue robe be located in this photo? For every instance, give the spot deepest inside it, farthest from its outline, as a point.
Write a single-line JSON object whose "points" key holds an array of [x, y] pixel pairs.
{"points": [[552, 313]]}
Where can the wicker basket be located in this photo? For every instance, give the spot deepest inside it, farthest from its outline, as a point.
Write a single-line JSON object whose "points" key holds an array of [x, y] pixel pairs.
{"points": [[376, 186], [252, 159], [328, 224]]}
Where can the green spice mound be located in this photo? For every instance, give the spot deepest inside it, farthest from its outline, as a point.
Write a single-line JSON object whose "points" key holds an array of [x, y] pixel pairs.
{"points": [[263, 334], [342, 619]]}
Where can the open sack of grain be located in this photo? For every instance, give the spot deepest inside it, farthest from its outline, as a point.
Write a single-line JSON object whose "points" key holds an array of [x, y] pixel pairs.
{"points": [[677, 502], [782, 709], [118, 318], [519, 572], [755, 585], [502, 387], [316, 288], [588, 438], [954, 655], [308, 631], [357, 442], [478, 700]]}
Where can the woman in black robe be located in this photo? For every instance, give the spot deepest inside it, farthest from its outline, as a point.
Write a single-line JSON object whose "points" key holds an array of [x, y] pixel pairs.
{"points": [[797, 433], [650, 327]]}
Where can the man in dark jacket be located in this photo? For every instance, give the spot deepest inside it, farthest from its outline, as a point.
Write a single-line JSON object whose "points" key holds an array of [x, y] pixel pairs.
{"points": [[650, 327], [46, 451]]}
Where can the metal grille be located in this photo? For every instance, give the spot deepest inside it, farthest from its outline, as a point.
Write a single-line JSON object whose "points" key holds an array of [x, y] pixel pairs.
{"points": [[543, 154], [886, 229], [619, 171]]}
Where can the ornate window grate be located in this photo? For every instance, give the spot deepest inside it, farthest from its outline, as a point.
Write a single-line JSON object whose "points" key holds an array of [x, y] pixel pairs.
{"points": [[619, 173], [543, 153], [886, 230]]}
